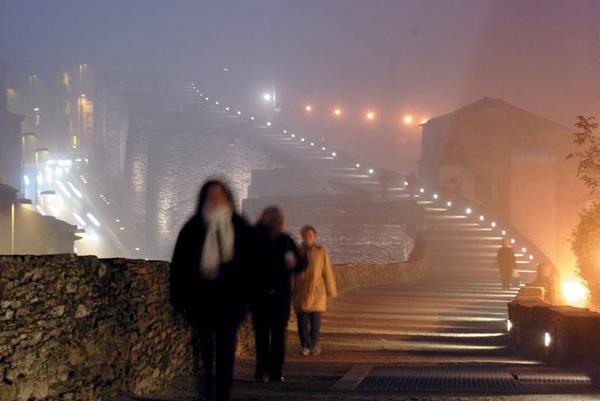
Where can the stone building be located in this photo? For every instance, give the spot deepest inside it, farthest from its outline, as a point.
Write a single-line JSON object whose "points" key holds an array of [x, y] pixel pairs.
{"points": [[117, 95], [10, 137], [513, 162], [34, 234]]}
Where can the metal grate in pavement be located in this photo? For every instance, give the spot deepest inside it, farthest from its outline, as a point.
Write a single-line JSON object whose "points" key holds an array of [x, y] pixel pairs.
{"points": [[559, 378], [458, 379]]}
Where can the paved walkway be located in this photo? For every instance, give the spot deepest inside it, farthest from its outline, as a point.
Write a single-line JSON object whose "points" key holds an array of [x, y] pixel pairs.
{"points": [[455, 318]]}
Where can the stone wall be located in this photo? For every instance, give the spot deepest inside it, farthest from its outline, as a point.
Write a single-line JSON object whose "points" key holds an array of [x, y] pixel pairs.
{"points": [[356, 275], [78, 328], [75, 327], [555, 333]]}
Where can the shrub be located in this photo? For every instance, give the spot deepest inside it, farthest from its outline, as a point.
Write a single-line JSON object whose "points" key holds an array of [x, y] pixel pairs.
{"points": [[586, 247]]}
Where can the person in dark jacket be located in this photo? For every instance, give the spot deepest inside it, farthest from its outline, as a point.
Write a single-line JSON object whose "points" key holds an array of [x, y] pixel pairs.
{"points": [[208, 273], [506, 264], [271, 301]]}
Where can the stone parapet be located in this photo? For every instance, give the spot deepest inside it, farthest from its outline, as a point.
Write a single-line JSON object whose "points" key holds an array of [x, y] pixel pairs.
{"points": [[556, 333], [80, 328], [76, 327]]}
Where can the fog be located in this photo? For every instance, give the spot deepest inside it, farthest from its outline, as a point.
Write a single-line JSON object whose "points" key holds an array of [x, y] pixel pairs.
{"points": [[407, 62]]}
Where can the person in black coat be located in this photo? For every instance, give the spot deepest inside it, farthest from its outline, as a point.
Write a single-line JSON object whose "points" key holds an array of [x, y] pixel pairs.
{"points": [[270, 302], [506, 264], [208, 273]]}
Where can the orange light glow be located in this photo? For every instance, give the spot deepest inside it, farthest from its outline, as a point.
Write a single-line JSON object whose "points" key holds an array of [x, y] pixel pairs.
{"points": [[408, 119], [370, 115], [308, 107], [337, 112]]}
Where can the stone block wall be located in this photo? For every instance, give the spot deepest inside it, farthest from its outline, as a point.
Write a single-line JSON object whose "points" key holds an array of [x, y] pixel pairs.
{"points": [[81, 328], [74, 328], [573, 334]]}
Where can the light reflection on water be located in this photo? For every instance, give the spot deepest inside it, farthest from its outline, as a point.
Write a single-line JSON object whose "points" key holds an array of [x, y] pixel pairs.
{"points": [[166, 171]]}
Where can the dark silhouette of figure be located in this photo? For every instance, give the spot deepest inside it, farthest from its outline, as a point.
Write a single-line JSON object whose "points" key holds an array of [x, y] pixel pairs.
{"points": [[312, 287], [548, 277], [385, 182], [270, 301], [411, 184], [419, 247], [506, 264], [208, 276]]}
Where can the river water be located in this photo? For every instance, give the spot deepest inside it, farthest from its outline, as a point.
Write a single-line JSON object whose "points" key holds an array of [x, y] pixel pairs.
{"points": [[164, 171]]}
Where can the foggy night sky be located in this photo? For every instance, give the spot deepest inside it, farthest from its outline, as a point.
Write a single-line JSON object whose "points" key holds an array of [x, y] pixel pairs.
{"points": [[429, 57]]}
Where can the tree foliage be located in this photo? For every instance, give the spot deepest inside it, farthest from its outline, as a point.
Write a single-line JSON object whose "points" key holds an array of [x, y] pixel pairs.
{"points": [[584, 239], [589, 156], [584, 243]]}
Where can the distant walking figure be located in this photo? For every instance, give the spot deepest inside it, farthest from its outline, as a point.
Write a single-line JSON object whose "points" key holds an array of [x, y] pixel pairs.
{"points": [[207, 280], [270, 301], [311, 289], [506, 263]]}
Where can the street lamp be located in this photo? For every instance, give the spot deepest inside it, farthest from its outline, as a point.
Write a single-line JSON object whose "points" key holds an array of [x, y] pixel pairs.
{"points": [[37, 168], [81, 100], [12, 221], [23, 156]]}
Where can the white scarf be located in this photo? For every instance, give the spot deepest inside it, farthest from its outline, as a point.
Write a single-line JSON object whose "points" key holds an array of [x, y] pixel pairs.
{"points": [[219, 231]]}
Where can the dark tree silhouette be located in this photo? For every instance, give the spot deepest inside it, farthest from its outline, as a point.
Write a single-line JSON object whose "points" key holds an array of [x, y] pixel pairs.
{"points": [[588, 169]]}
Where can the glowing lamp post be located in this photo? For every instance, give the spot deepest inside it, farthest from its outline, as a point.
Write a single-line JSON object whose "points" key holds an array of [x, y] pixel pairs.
{"points": [[37, 170]]}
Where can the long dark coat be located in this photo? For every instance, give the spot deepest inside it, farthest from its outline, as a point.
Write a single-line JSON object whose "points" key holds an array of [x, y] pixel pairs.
{"points": [[198, 298], [505, 259]]}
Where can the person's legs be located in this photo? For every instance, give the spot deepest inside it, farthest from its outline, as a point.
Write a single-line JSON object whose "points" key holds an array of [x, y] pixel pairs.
{"points": [[226, 341], [303, 330], [204, 344], [260, 321], [277, 353], [315, 332]]}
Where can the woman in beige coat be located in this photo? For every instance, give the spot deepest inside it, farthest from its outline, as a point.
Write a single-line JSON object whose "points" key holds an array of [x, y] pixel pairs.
{"points": [[310, 291]]}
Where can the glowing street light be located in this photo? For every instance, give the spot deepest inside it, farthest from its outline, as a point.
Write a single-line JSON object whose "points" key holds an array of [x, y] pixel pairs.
{"points": [[357, 165], [267, 97], [337, 112], [308, 108], [574, 292], [408, 119], [370, 115]]}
